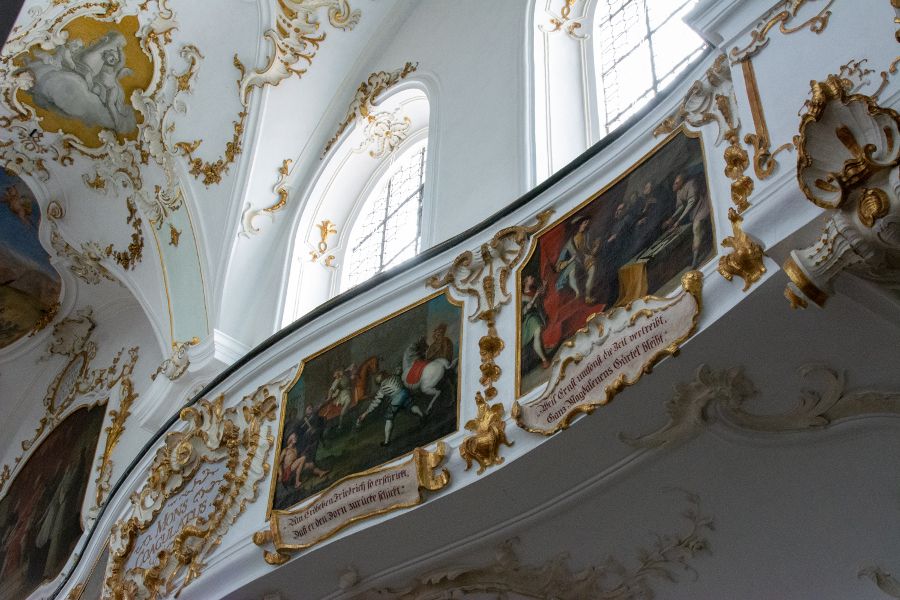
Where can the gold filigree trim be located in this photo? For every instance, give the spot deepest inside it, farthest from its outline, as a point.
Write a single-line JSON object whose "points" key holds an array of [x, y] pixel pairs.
{"points": [[565, 20], [807, 287], [783, 16], [117, 426], [240, 437], [211, 172], [295, 38], [362, 107], [489, 433], [764, 163], [746, 258], [279, 188], [132, 255], [320, 254]]}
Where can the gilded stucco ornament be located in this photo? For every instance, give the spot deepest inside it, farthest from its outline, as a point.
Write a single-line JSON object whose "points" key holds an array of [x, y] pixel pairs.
{"points": [[746, 258], [281, 193], [220, 457], [711, 99], [296, 38], [77, 380], [507, 576], [720, 396], [848, 154], [564, 21], [363, 109], [485, 276], [178, 361], [320, 253], [784, 15]]}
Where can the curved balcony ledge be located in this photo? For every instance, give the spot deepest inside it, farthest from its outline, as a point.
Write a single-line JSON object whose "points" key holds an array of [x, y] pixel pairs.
{"points": [[539, 474]]}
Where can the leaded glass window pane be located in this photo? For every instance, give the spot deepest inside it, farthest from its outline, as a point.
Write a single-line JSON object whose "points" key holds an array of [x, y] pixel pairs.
{"points": [[641, 46], [386, 232]]}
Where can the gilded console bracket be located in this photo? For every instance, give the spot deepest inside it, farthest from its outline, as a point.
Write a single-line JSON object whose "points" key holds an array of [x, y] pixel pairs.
{"points": [[746, 258]]}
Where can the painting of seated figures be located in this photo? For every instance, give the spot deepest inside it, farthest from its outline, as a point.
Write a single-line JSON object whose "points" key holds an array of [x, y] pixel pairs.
{"points": [[29, 285], [369, 399], [40, 512], [635, 237]]}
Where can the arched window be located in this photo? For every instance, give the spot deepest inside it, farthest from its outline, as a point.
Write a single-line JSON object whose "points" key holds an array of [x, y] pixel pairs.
{"points": [[639, 47], [387, 228], [363, 210], [596, 63]]}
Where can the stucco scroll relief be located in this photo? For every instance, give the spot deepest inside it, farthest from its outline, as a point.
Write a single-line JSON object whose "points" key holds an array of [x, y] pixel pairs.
{"points": [[484, 276], [785, 15], [78, 383], [352, 499], [670, 555], [296, 38], [720, 396], [612, 351], [848, 154], [200, 481]]}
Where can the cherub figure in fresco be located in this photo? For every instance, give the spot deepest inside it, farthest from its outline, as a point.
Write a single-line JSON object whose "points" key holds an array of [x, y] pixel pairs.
{"points": [[534, 318], [18, 204], [576, 266], [83, 82]]}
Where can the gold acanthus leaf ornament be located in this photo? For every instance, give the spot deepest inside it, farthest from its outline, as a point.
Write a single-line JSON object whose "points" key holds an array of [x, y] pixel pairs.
{"points": [[746, 258]]}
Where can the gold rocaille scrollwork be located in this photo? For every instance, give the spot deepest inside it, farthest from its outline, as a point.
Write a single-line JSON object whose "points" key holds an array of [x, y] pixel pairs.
{"points": [[362, 107], [320, 254], [566, 22], [782, 15], [295, 37], [764, 163], [746, 258], [485, 276], [241, 436]]}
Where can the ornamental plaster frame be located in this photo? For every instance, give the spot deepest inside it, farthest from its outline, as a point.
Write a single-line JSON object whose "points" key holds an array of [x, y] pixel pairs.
{"points": [[241, 435]]}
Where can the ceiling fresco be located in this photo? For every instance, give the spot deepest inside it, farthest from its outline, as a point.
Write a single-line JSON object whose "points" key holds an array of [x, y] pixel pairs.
{"points": [[29, 285]]}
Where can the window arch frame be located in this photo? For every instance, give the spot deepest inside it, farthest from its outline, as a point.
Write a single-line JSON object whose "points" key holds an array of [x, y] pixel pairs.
{"points": [[305, 285]]}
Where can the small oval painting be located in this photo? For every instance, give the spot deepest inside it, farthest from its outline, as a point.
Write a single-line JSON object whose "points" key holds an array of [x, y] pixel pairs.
{"points": [[29, 285]]}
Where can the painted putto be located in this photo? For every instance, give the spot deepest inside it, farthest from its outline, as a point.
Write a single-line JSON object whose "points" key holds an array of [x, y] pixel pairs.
{"points": [[370, 399]]}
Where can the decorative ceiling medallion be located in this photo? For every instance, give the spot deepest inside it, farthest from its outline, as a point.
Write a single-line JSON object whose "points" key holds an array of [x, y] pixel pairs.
{"points": [[200, 481], [363, 107], [611, 352], [80, 78]]}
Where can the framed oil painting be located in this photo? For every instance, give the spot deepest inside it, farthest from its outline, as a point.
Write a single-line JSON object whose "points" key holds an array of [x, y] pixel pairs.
{"points": [[29, 285], [635, 237], [40, 515], [370, 398]]}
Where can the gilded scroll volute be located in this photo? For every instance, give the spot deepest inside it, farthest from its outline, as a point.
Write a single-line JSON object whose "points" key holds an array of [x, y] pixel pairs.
{"points": [[848, 154]]}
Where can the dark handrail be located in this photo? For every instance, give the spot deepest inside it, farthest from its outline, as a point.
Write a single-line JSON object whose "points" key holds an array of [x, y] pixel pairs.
{"points": [[388, 275]]}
